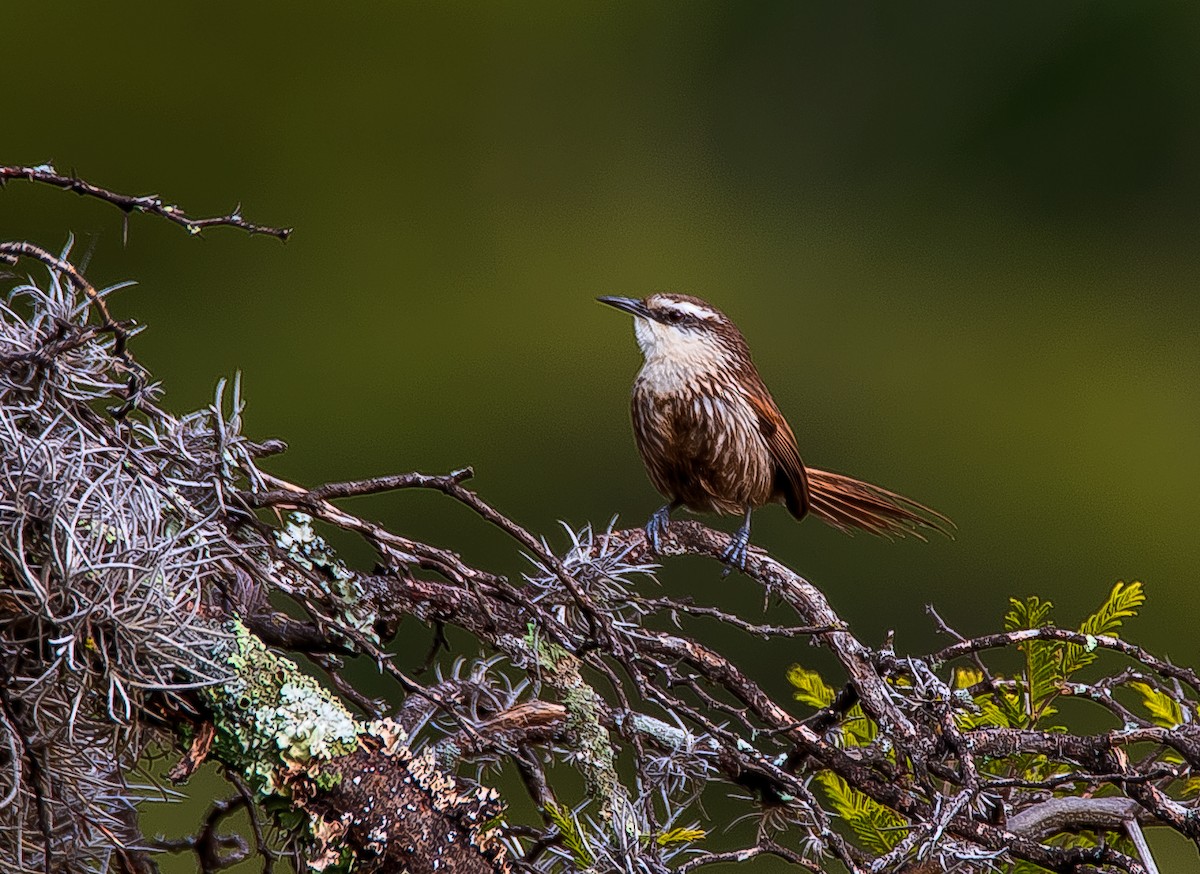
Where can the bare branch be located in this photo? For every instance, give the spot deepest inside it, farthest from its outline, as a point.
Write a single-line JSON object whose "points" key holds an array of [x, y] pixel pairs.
{"points": [[151, 204]]}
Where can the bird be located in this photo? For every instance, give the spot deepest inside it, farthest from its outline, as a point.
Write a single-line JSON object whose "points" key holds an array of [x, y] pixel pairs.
{"points": [[713, 440]]}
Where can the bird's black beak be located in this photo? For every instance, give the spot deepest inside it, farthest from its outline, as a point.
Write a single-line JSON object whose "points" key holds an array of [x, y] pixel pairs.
{"points": [[627, 304]]}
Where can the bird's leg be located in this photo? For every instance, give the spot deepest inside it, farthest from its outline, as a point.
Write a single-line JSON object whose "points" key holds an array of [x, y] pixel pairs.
{"points": [[735, 553], [657, 525]]}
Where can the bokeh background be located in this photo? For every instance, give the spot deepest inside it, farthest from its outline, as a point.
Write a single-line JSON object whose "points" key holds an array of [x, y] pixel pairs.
{"points": [[961, 238]]}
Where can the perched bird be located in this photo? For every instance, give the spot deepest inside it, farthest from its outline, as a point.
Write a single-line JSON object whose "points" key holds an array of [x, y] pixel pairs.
{"points": [[714, 441]]}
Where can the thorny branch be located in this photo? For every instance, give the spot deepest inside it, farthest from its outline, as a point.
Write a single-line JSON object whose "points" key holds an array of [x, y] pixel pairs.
{"points": [[130, 545], [150, 204]]}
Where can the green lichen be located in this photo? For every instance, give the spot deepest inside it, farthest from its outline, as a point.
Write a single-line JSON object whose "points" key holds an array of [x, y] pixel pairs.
{"points": [[310, 551], [272, 719], [561, 670]]}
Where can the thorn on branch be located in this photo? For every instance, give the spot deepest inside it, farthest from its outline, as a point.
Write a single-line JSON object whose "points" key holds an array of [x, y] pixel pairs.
{"points": [[151, 204]]}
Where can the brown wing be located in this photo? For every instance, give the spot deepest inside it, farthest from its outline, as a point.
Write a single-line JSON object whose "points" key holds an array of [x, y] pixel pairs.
{"points": [[791, 479]]}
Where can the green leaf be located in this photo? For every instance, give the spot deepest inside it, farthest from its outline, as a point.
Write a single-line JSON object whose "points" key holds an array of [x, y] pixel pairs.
{"points": [[857, 729], [1123, 602], [1164, 709], [1012, 706], [1049, 664], [681, 836], [965, 678], [1043, 658], [1033, 612], [809, 686], [878, 827], [991, 714], [574, 838]]}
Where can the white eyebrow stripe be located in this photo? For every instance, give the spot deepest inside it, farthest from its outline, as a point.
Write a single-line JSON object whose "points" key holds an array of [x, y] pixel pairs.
{"points": [[689, 308]]}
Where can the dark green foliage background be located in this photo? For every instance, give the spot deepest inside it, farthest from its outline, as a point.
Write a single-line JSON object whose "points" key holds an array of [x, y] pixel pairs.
{"points": [[960, 237]]}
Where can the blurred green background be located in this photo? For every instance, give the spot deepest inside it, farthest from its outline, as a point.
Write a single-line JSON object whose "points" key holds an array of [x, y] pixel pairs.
{"points": [[961, 239]]}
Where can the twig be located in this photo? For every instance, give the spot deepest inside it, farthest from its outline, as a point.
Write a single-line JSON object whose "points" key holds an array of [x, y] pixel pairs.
{"points": [[207, 844], [763, 848], [730, 619], [269, 856], [1134, 829], [1089, 642], [944, 628], [292, 496], [151, 204]]}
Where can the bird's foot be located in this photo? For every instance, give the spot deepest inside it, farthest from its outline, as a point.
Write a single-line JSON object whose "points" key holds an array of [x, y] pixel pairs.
{"points": [[735, 553], [657, 526]]}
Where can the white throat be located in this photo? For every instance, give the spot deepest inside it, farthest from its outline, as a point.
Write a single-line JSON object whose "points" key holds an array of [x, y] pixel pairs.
{"points": [[675, 357]]}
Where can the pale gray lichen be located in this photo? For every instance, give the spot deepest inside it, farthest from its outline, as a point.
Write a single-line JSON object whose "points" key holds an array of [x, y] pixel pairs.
{"points": [[309, 550]]}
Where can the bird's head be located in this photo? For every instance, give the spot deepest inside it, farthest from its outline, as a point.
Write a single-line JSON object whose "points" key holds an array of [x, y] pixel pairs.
{"points": [[682, 329]]}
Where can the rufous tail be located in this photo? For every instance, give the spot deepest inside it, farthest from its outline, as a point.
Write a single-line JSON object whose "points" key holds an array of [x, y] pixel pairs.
{"points": [[849, 504]]}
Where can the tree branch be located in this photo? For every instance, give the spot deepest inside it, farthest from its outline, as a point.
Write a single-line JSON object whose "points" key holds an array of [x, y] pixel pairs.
{"points": [[151, 204]]}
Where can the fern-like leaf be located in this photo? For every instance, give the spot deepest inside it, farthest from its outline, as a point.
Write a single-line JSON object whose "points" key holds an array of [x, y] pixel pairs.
{"points": [[857, 729], [1122, 603], [1033, 612], [574, 838], [810, 688], [965, 678], [1043, 659], [1008, 713], [1164, 709], [878, 827], [678, 836]]}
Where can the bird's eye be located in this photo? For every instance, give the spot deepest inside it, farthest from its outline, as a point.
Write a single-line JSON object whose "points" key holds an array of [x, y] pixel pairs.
{"points": [[673, 316]]}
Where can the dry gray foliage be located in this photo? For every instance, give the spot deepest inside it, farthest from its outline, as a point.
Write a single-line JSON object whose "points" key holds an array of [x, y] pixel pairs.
{"points": [[108, 549]]}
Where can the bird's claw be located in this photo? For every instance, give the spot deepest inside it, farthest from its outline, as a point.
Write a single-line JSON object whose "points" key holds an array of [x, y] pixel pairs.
{"points": [[657, 526], [734, 555]]}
